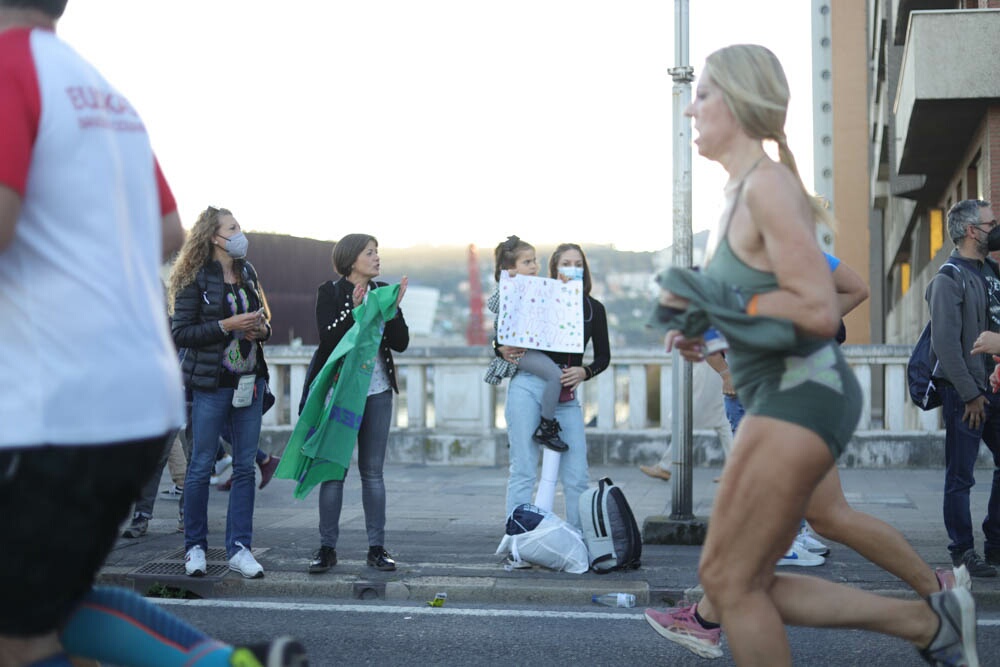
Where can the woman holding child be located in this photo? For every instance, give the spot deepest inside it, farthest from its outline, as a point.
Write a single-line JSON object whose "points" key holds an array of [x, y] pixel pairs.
{"points": [[524, 397]]}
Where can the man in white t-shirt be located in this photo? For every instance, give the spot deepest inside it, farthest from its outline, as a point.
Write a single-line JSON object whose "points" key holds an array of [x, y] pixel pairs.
{"points": [[90, 388]]}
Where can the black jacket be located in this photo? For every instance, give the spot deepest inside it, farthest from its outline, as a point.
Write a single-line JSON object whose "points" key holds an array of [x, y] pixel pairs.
{"points": [[335, 316], [195, 325]]}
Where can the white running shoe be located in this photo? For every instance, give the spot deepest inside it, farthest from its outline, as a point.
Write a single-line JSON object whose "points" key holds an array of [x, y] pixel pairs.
{"points": [[799, 555], [222, 465], [194, 562], [810, 543], [244, 563]]}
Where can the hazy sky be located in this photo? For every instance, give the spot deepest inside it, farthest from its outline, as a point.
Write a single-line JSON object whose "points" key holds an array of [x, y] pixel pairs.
{"points": [[430, 121]]}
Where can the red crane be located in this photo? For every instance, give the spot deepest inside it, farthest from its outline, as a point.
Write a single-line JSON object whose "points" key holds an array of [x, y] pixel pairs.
{"points": [[474, 332]]}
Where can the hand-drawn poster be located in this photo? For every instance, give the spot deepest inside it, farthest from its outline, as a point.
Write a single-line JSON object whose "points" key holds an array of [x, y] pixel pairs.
{"points": [[540, 313]]}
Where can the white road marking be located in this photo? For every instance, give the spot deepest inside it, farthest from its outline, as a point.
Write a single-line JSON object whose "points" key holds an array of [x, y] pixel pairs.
{"points": [[417, 609], [393, 609]]}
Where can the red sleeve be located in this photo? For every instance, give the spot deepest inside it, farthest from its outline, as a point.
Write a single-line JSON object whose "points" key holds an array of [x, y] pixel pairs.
{"points": [[20, 108], [167, 202]]}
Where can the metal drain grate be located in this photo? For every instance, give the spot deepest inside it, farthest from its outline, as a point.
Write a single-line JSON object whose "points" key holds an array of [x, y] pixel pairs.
{"points": [[168, 570], [217, 553], [172, 569]]}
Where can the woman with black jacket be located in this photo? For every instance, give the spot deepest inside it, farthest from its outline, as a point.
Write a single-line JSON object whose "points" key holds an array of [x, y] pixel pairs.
{"points": [[220, 319], [355, 257]]}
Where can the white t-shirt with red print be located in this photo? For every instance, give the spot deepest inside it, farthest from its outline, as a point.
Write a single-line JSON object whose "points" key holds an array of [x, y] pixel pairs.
{"points": [[85, 350]]}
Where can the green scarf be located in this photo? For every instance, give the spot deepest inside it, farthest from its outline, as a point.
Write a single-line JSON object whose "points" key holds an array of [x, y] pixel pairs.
{"points": [[322, 442]]}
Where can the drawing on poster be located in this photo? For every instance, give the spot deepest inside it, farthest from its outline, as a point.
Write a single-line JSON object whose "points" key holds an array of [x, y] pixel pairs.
{"points": [[540, 313]]}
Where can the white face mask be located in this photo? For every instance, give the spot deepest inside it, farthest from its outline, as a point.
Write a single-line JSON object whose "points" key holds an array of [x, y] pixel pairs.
{"points": [[237, 245], [571, 272]]}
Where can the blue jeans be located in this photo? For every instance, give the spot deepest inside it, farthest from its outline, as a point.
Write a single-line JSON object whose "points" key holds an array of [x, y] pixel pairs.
{"points": [[961, 448], [373, 436], [734, 410], [523, 410], [211, 413]]}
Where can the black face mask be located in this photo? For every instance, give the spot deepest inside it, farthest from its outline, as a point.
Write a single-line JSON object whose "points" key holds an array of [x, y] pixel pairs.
{"points": [[993, 239]]}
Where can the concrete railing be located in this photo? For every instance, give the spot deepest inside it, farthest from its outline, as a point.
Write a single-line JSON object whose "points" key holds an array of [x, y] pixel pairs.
{"points": [[446, 413]]}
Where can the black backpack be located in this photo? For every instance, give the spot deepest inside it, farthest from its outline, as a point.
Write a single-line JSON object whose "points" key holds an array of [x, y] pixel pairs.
{"points": [[920, 374], [919, 371]]}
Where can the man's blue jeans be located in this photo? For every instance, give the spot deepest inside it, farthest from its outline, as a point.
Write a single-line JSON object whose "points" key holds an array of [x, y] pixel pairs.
{"points": [[961, 448], [211, 413]]}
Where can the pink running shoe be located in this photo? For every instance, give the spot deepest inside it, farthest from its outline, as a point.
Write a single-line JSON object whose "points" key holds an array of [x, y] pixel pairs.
{"points": [[957, 577], [678, 624]]}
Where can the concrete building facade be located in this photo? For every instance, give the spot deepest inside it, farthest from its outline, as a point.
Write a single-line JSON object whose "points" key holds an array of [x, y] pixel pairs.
{"points": [[933, 139]]}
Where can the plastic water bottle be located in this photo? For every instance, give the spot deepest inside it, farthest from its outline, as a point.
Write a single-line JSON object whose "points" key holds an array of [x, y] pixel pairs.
{"points": [[615, 599]]}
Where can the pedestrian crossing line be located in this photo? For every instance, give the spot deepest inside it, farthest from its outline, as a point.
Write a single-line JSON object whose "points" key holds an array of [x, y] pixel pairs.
{"points": [[394, 609]]}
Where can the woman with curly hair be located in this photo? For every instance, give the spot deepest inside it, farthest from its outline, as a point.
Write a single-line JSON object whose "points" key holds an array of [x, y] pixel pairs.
{"points": [[220, 320]]}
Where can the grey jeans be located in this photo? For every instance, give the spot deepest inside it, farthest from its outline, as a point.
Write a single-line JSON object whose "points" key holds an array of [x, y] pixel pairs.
{"points": [[373, 435], [147, 498]]}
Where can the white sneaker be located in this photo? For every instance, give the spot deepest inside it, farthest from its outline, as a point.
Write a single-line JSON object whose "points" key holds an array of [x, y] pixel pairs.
{"points": [[798, 555], [810, 543], [173, 493], [222, 465], [511, 564], [244, 563], [194, 562]]}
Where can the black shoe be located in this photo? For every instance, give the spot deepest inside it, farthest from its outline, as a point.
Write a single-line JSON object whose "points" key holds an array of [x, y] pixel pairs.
{"points": [[323, 560], [547, 434], [379, 558], [993, 556], [280, 652], [974, 563], [138, 526]]}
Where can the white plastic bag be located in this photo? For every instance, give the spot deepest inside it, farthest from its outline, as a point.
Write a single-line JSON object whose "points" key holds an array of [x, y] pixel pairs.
{"points": [[552, 543]]}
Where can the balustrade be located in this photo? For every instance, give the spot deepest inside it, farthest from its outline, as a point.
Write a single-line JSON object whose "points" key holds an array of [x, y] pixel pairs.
{"points": [[442, 389]]}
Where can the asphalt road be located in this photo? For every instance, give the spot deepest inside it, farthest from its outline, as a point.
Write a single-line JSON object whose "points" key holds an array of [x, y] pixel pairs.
{"points": [[386, 634]]}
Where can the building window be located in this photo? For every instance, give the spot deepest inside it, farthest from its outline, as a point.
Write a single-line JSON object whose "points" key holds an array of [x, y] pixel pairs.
{"points": [[936, 218]]}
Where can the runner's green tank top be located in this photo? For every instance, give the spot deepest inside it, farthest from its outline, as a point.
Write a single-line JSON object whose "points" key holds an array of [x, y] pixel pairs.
{"points": [[809, 384]]}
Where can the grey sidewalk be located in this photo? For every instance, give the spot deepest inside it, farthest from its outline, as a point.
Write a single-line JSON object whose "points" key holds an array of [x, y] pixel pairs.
{"points": [[444, 525]]}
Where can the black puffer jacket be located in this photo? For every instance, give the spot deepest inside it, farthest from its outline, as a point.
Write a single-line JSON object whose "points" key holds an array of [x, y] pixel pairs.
{"points": [[195, 325], [335, 317]]}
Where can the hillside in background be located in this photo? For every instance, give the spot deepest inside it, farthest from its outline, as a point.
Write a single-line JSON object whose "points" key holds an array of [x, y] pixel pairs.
{"points": [[622, 281]]}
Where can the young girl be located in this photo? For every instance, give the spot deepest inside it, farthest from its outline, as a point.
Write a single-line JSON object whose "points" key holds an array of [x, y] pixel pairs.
{"points": [[518, 257]]}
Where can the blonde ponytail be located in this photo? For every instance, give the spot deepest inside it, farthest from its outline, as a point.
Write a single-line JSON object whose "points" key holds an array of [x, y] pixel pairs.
{"points": [[818, 205]]}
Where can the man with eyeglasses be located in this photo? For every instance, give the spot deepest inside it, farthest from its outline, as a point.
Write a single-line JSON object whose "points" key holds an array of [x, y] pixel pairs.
{"points": [[964, 300]]}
